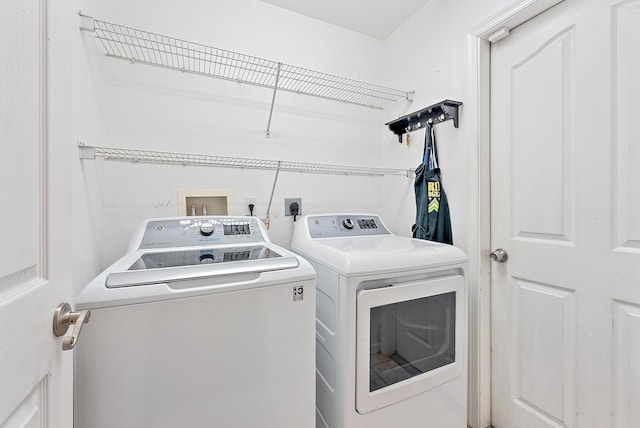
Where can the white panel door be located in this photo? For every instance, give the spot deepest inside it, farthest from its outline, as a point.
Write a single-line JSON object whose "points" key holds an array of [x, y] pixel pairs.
{"points": [[35, 378], [565, 205]]}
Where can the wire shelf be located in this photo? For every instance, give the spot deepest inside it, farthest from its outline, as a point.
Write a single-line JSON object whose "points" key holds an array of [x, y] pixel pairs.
{"points": [[169, 52], [146, 156]]}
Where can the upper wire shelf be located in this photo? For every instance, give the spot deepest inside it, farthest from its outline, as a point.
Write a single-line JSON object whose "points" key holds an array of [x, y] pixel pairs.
{"points": [[169, 52], [147, 156]]}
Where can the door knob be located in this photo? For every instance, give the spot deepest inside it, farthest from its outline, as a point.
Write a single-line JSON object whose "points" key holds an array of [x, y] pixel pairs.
{"points": [[499, 256], [63, 317]]}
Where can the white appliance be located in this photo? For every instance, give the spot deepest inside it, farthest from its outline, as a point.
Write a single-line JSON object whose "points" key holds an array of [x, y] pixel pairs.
{"points": [[391, 327], [203, 323]]}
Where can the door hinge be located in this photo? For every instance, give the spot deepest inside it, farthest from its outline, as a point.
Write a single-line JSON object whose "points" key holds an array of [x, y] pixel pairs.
{"points": [[499, 35]]}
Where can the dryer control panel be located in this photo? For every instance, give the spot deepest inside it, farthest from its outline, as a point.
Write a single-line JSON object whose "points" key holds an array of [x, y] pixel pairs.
{"points": [[194, 231], [330, 226]]}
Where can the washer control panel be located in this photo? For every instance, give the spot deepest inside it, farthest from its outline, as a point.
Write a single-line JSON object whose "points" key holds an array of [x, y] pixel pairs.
{"points": [[330, 226], [193, 231]]}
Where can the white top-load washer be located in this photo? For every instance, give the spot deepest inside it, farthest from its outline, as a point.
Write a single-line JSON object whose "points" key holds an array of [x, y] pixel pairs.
{"points": [[391, 327], [203, 323]]}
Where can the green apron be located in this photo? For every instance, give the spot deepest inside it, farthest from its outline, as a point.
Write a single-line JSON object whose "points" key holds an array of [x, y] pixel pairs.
{"points": [[433, 220]]}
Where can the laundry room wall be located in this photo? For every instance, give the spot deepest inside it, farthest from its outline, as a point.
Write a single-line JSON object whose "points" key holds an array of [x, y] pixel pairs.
{"points": [[120, 104], [428, 54]]}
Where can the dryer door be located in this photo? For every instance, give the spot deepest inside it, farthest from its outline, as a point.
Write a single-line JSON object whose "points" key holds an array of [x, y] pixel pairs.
{"points": [[409, 340]]}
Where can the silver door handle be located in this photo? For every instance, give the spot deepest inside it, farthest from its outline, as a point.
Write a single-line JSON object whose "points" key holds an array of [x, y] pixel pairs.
{"points": [[499, 256], [63, 318]]}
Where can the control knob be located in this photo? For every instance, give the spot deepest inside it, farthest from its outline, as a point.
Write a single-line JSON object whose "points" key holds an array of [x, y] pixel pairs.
{"points": [[347, 223], [207, 258], [206, 229]]}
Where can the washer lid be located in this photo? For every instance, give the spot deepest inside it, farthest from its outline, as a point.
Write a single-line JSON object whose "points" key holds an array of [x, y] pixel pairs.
{"points": [[366, 255], [151, 267]]}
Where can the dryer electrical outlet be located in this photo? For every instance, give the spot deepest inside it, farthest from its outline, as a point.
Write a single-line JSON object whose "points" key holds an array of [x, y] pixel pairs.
{"points": [[287, 206]]}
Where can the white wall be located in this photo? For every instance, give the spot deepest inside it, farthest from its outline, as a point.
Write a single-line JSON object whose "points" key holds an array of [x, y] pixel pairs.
{"points": [[428, 53], [432, 48], [137, 106], [119, 104], [87, 126]]}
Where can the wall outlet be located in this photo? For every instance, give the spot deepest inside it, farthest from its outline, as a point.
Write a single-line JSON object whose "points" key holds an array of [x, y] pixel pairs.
{"points": [[247, 201], [287, 205]]}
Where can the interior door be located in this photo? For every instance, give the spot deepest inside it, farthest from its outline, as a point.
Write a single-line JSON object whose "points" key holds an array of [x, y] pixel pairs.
{"points": [[565, 206], [35, 377]]}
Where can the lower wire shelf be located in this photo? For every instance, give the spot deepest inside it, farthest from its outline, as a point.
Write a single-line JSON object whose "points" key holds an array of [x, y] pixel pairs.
{"points": [[147, 156]]}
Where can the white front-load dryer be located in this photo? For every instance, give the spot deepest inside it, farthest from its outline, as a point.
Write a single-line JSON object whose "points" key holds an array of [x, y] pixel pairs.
{"points": [[391, 325], [203, 323]]}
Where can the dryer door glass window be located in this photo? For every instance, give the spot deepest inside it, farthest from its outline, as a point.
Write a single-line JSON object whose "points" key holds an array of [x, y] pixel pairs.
{"points": [[410, 338]]}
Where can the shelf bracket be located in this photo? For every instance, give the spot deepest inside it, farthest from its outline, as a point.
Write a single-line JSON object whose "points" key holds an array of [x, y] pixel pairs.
{"points": [[87, 23], [273, 99], [436, 113], [86, 152]]}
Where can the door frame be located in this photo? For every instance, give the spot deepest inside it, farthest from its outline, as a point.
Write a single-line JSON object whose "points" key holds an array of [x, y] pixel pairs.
{"points": [[477, 119]]}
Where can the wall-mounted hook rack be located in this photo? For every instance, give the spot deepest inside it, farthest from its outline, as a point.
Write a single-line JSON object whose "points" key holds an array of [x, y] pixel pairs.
{"points": [[439, 112]]}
